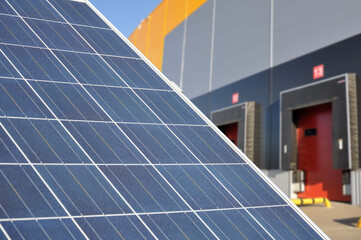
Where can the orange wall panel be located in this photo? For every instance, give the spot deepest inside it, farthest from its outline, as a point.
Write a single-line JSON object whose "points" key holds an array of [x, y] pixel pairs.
{"points": [[176, 13], [193, 5], [149, 36], [141, 36], [155, 40], [131, 38], [179, 10]]}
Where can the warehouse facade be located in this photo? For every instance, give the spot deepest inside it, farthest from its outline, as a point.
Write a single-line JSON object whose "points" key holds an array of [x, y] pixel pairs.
{"points": [[280, 78]]}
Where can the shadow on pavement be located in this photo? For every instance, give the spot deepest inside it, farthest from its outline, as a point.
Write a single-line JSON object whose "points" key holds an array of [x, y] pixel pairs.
{"points": [[348, 221]]}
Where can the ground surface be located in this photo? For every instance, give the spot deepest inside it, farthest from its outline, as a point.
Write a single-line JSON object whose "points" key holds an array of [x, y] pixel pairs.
{"points": [[338, 222]]}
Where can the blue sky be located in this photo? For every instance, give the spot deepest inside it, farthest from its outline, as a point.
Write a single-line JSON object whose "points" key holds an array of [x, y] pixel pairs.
{"points": [[125, 14]]}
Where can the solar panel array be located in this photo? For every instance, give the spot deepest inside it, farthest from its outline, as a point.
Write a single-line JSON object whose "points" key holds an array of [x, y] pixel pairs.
{"points": [[95, 144]]}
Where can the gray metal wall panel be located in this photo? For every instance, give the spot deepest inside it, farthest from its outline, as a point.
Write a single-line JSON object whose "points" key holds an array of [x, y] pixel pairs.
{"points": [[301, 27], [356, 187], [282, 179], [198, 51], [242, 42], [172, 54]]}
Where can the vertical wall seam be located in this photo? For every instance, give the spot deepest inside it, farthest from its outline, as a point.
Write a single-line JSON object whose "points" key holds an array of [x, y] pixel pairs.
{"points": [[271, 82], [163, 34], [149, 21], [271, 32], [184, 46], [212, 46]]}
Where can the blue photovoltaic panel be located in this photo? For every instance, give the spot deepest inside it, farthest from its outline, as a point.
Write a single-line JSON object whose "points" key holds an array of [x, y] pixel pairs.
{"points": [[95, 144]]}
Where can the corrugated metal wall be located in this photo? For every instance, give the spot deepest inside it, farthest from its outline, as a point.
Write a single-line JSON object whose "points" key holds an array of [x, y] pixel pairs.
{"points": [[356, 187], [255, 47], [304, 26], [172, 63], [282, 179], [250, 36], [196, 62], [241, 40]]}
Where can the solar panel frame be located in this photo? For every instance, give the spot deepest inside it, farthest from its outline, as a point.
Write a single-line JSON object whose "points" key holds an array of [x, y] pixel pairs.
{"points": [[203, 117]]}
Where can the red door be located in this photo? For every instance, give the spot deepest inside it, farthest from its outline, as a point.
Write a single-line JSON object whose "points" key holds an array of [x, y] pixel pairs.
{"points": [[231, 131], [314, 139]]}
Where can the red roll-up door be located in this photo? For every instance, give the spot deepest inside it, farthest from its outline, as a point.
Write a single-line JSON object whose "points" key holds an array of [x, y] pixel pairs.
{"points": [[231, 131], [314, 139]]}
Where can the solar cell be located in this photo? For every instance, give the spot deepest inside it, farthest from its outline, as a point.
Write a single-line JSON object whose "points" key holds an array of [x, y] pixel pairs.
{"points": [[14, 31], [122, 104], [58, 35], [78, 13], [105, 41], [34, 9], [131, 77], [96, 144], [36, 63], [89, 69]]}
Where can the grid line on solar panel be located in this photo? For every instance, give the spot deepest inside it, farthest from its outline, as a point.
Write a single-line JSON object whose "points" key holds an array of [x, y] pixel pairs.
{"points": [[228, 219], [93, 85], [141, 213], [94, 121], [121, 164], [52, 21], [4, 232], [69, 51]]}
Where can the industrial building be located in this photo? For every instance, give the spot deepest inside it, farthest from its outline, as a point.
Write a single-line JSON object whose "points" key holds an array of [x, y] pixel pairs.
{"points": [[95, 143], [279, 77]]}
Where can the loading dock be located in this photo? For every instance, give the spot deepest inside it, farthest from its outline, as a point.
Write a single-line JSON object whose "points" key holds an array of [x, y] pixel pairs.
{"points": [[241, 123], [320, 135]]}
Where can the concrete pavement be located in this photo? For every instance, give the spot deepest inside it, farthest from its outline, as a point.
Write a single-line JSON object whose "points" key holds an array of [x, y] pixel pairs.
{"points": [[338, 222]]}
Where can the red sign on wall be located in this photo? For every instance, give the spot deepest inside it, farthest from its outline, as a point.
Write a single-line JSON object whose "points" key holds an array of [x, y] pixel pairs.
{"points": [[235, 98], [318, 71]]}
